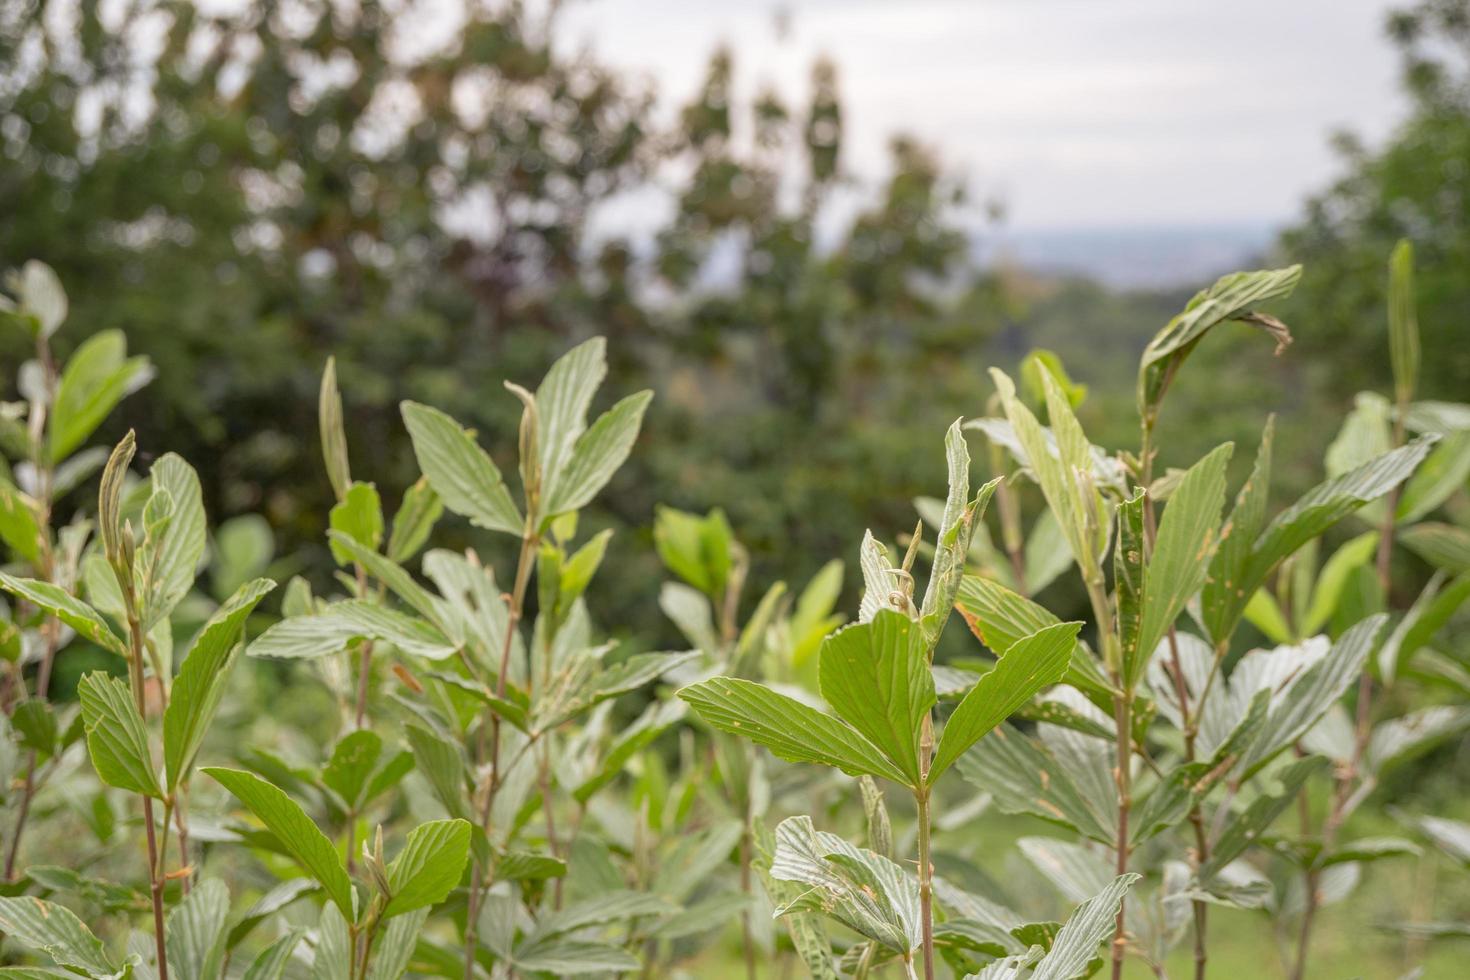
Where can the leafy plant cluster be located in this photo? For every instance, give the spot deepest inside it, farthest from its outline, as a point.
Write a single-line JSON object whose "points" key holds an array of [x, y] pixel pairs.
{"points": [[510, 793]]}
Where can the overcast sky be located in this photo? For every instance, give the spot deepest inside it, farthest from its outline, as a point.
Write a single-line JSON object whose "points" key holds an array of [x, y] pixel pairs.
{"points": [[1090, 113]]}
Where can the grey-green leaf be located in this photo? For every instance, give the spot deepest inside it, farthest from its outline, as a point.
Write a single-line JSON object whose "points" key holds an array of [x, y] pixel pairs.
{"points": [[792, 730], [461, 473]]}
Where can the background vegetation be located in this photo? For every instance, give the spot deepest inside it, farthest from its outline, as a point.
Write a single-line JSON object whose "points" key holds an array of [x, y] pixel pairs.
{"points": [[279, 185]]}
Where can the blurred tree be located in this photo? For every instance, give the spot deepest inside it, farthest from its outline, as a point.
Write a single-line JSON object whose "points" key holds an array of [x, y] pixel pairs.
{"points": [[1416, 186], [246, 189]]}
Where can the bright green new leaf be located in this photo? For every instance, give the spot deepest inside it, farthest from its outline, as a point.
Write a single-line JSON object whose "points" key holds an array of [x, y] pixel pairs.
{"points": [[416, 516], [354, 759], [333, 431], [116, 737], [428, 867], [1403, 323], [200, 684], [1334, 575], [461, 473], [297, 833], [876, 677], [20, 528], [97, 376], [1028, 665], [359, 516], [790, 729]]}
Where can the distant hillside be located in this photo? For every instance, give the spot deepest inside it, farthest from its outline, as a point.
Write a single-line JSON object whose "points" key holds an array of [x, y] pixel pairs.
{"points": [[1129, 258]]}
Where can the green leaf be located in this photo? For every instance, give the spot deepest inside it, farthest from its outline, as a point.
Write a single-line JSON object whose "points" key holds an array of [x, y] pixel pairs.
{"points": [[697, 549], [524, 866], [1397, 740], [1030, 664], [200, 684], [429, 866], [562, 400], [268, 905], [1025, 776], [20, 527], [1353, 554], [333, 431], [1241, 831], [864, 891], [54, 930], [953, 540], [42, 298], [67, 608], [461, 473], [297, 833], [807, 934], [353, 761], [196, 933], [790, 729], [359, 516], [1063, 473], [570, 957], [1238, 571], [415, 518], [1309, 698], [396, 945], [320, 634], [35, 727], [271, 963], [116, 737], [999, 617], [97, 376], [1403, 324], [1442, 545], [166, 563], [443, 765], [596, 456], [1076, 945], [1187, 537], [1232, 297], [876, 677], [1443, 472]]}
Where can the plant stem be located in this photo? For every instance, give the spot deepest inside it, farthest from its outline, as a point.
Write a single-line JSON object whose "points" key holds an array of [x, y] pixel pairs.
{"points": [[527, 559], [747, 937], [926, 883], [155, 876], [1123, 715], [43, 681]]}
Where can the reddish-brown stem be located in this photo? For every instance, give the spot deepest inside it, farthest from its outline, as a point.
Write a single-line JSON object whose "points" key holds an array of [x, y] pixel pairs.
{"points": [[529, 541]]}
